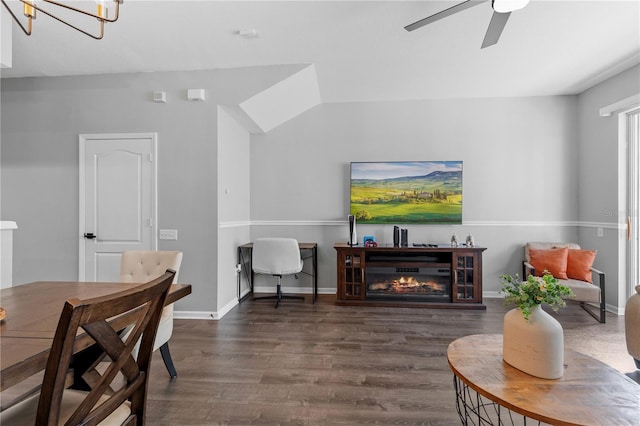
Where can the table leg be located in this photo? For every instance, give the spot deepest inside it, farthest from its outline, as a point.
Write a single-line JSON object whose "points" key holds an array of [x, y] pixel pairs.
{"points": [[474, 409]]}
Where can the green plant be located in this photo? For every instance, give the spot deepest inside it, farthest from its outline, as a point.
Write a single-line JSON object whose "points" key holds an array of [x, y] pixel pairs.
{"points": [[534, 291]]}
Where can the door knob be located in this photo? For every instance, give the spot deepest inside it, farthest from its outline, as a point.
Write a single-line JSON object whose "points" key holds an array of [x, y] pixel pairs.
{"points": [[89, 235]]}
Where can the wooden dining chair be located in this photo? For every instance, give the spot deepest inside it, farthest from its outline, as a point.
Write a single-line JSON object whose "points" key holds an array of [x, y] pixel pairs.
{"points": [[117, 393]]}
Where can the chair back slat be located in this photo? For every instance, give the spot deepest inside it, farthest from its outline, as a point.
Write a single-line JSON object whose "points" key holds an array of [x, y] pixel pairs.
{"points": [[141, 307]]}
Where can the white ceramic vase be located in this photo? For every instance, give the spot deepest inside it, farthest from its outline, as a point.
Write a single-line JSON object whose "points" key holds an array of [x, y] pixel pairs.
{"points": [[535, 346]]}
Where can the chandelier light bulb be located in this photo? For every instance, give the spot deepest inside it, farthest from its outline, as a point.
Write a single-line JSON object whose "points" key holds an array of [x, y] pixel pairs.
{"points": [[52, 7], [28, 9], [101, 10], [506, 6]]}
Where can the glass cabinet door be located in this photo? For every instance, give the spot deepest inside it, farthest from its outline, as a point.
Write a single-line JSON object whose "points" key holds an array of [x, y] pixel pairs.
{"points": [[464, 277], [354, 276]]}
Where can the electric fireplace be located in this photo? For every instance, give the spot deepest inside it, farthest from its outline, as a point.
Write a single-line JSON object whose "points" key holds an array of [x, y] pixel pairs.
{"points": [[418, 284], [418, 276]]}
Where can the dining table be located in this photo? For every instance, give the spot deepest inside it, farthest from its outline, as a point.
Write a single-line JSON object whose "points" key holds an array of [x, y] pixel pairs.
{"points": [[32, 312]]}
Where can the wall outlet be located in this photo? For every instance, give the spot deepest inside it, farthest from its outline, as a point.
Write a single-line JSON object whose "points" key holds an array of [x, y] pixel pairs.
{"points": [[600, 232], [168, 234]]}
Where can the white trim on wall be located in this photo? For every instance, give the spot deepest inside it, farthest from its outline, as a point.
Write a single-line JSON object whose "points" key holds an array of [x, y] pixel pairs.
{"points": [[238, 224], [620, 105], [466, 223], [299, 222]]}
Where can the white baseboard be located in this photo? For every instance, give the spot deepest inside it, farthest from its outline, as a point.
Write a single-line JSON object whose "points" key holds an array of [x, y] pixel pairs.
{"points": [[196, 315], [225, 309], [294, 290], [215, 316], [203, 315]]}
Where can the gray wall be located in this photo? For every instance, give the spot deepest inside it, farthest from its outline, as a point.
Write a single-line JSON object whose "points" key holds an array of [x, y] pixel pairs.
{"points": [[529, 168], [599, 175], [520, 172], [41, 120]]}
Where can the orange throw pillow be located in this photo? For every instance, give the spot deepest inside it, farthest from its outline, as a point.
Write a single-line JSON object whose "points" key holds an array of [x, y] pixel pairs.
{"points": [[579, 264], [553, 260]]}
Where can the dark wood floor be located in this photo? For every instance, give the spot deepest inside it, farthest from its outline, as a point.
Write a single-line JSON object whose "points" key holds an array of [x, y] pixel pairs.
{"points": [[305, 364]]}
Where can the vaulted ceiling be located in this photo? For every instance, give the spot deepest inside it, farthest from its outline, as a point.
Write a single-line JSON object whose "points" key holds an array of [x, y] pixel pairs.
{"points": [[360, 49]]}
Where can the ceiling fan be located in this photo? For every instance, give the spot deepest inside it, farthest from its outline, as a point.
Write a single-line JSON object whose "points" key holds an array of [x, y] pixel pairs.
{"points": [[501, 11]]}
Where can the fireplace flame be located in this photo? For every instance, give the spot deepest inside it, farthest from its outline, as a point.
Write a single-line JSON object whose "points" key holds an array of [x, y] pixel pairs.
{"points": [[408, 285]]}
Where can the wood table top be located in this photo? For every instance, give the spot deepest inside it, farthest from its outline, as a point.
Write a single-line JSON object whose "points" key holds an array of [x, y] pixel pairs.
{"points": [[32, 315], [589, 392]]}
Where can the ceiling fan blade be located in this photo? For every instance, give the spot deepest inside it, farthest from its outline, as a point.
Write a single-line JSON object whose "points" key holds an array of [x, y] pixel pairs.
{"points": [[440, 15], [498, 21]]}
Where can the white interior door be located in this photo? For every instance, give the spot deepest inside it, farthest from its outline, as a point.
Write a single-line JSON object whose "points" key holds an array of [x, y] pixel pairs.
{"points": [[117, 201]]}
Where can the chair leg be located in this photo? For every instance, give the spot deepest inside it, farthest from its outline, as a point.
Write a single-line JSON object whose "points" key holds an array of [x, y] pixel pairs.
{"points": [[278, 293], [168, 362]]}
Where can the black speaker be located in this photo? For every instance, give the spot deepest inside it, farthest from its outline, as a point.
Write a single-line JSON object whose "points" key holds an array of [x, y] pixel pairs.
{"points": [[404, 238], [396, 236]]}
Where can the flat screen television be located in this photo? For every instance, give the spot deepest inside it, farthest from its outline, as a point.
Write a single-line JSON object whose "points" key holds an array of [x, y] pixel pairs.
{"points": [[407, 192]]}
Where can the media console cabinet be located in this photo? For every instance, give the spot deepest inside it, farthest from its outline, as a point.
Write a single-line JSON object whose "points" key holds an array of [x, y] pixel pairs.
{"points": [[427, 277]]}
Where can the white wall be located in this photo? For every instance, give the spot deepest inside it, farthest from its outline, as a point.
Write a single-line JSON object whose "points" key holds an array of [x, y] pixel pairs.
{"points": [[233, 204]]}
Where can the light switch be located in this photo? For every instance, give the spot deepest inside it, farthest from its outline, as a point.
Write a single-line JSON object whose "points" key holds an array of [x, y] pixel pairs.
{"points": [[168, 234]]}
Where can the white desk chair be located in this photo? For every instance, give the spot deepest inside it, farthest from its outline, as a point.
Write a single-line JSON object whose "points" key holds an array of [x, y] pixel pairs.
{"points": [[277, 257], [141, 266]]}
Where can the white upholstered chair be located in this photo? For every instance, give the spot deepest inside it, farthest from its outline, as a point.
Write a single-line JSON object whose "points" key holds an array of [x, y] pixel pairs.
{"points": [[277, 257], [140, 266]]}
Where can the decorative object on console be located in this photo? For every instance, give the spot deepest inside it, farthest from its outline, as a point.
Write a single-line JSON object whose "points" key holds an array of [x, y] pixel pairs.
{"points": [[454, 240], [419, 192], [533, 339], [470, 241], [404, 238], [353, 235], [369, 241]]}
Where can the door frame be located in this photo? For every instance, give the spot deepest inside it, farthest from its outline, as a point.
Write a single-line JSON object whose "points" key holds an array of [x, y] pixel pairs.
{"points": [[83, 138], [632, 201]]}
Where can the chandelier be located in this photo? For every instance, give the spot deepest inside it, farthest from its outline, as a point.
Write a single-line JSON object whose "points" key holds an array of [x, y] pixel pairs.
{"points": [[48, 7]]}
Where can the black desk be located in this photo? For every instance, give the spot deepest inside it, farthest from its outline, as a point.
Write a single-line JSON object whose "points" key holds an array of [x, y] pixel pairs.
{"points": [[244, 259]]}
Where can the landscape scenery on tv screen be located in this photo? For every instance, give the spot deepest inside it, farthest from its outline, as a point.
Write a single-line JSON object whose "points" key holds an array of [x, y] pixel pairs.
{"points": [[407, 192]]}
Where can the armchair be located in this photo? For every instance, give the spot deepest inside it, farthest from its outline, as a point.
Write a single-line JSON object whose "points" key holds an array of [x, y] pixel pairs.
{"points": [[572, 266]]}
